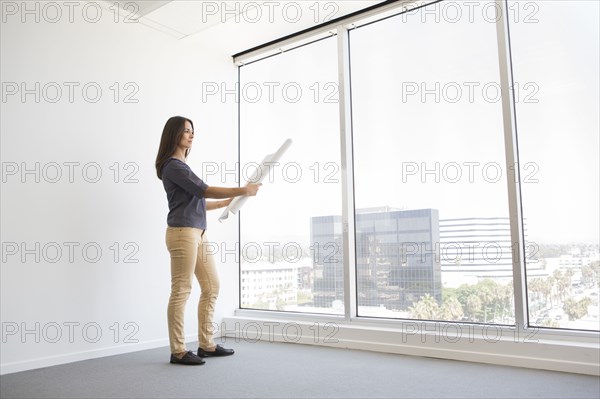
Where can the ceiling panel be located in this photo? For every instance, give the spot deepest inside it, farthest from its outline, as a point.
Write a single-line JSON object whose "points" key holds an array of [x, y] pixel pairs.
{"points": [[182, 18], [190, 17], [140, 8]]}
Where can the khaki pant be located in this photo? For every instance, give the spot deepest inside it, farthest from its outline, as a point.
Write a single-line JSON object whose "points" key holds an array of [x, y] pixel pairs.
{"points": [[187, 246]]}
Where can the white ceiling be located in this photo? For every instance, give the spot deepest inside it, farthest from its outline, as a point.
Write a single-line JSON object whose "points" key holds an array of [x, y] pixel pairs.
{"points": [[181, 19], [140, 8]]}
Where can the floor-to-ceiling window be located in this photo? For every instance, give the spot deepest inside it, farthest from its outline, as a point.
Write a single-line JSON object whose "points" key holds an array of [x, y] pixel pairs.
{"points": [[291, 258], [432, 226], [555, 48], [432, 221]]}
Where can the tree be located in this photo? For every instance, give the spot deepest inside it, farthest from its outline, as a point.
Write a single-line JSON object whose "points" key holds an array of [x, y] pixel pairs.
{"points": [[558, 289], [451, 309], [485, 292], [540, 290], [547, 322], [304, 297], [463, 293], [549, 290], [587, 276], [426, 308], [594, 273], [260, 304], [493, 303], [474, 306], [503, 300], [280, 304], [576, 309], [535, 285]]}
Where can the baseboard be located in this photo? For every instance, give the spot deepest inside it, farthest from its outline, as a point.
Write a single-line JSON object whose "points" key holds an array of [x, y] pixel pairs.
{"points": [[565, 356], [31, 364]]}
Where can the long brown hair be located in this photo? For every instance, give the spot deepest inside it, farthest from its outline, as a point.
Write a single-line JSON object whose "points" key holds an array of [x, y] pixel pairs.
{"points": [[171, 136]]}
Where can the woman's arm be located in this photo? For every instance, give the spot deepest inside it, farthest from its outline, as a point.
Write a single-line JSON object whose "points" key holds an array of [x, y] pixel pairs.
{"points": [[224, 192], [210, 205]]}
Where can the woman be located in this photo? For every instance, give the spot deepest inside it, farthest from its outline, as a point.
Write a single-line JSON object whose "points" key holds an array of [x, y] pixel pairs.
{"points": [[186, 240]]}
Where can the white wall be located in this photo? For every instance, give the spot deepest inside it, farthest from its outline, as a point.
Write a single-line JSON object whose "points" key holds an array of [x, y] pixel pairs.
{"points": [[56, 297], [56, 294]]}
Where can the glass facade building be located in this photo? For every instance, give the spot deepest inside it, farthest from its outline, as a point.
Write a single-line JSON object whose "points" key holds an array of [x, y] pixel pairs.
{"points": [[396, 253]]}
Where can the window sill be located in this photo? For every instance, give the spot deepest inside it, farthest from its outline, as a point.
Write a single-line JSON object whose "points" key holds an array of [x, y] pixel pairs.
{"points": [[557, 350]]}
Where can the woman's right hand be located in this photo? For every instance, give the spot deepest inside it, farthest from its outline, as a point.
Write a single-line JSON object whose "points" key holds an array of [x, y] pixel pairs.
{"points": [[252, 189]]}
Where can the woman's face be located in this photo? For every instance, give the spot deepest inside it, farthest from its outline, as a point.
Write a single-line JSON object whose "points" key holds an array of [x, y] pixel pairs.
{"points": [[187, 137]]}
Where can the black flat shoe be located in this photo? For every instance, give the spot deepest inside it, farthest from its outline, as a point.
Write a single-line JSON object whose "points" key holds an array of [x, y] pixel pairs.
{"points": [[219, 351], [189, 359]]}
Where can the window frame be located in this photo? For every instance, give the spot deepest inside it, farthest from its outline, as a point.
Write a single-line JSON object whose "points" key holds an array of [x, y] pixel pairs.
{"points": [[341, 28]]}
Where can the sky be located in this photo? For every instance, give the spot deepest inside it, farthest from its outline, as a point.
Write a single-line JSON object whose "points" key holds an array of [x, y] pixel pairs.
{"points": [[427, 122]]}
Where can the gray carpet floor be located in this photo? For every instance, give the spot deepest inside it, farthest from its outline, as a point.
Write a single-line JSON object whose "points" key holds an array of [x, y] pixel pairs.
{"points": [[278, 370]]}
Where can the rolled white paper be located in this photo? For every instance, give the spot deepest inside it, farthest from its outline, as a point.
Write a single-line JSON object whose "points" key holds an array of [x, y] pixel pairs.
{"points": [[257, 177]]}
